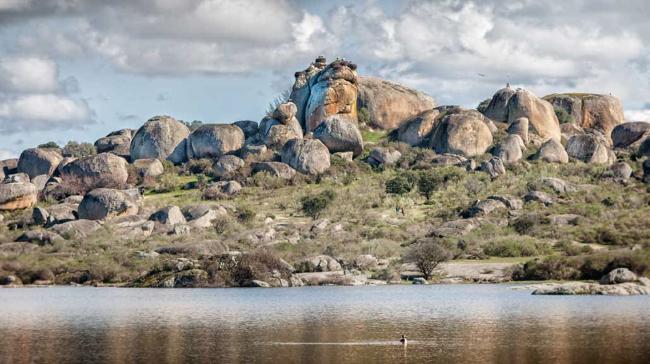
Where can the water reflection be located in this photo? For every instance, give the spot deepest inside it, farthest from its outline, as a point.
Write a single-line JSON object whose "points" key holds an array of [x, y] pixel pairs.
{"points": [[465, 323]]}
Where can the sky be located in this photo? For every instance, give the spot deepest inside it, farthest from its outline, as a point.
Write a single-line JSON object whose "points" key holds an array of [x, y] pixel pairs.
{"points": [[79, 69]]}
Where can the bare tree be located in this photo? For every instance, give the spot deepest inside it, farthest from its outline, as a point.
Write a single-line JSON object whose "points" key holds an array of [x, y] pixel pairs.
{"points": [[426, 254]]}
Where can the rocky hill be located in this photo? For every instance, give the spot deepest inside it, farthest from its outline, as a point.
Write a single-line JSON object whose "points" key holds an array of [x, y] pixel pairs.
{"points": [[353, 180]]}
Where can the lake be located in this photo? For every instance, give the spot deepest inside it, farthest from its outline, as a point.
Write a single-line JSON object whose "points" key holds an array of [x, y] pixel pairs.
{"points": [[444, 323]]}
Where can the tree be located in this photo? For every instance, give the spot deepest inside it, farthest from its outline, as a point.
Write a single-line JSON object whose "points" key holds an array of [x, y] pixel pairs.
{"points": [[313, 206], [49, 145], [398, 186], [427, 184], [78, 150], [426, 255]]}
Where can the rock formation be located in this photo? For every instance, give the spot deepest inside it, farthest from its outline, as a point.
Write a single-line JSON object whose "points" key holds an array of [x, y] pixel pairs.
{"points": [[161, 137], [602, 112], [214, 140], [37, 161], [307, 156]]}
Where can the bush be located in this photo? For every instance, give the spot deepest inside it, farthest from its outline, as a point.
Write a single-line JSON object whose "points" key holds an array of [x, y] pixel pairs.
{"points": [[398, 186], [49, 145], [427, 184], [426, 254], [78, 150], [313, 206], [511, 248], [364, 116], [525, 224], [245, 215], [199, 166]]}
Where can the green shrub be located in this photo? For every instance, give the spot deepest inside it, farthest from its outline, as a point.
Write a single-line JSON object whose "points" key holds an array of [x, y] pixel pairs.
{"points": [[363, 116], [399, 185], [78, 150], [427, 184], [512, 248], [426, 254], [313, 206], [49, 145], [245, 214], [199, 166]]}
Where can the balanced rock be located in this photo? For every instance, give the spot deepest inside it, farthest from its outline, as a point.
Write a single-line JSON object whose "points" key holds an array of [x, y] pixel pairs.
{"points": [[161, 137], [339, 135], [552, 151], [17, 195], [275, 134], [464, 132], [148, 167], [389, 104], [540, 114], [117, 142], [215, 140], [308, 156], [285, 112], [104, 170], [37, 161], [104, 203]]}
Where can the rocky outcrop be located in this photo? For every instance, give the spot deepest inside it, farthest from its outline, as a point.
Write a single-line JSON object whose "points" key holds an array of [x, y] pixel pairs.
{"points": [[552, 151], [389, 104], [539, 196], [494, 167], [104, 203], [148, 167], [308, 156], [104, 170], [37, 161], [416, 130], [619, 171], [17, 195], [117, 142], [284, 126], [170, 215], [462, 132], [619, 275], [384, 156], [214, 140], [202, 216], [339, 135], [76, 228], [509, 150], [161, 137], [626, 134], [593, 111], [497, 109], [277, 169], [588, 148], [227, 166], [319, 263], [582, 288], [540, 114]]}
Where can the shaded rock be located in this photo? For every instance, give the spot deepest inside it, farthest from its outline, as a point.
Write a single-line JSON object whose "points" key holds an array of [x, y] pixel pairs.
{"points": [[38, 237], [384, 156], [17, 195], [570, 129], [619, 171], [170, 215], [464, 132], [40, 216], [76, 229], [339, 135], [510, 149], [416, 130], [602, 112], [277, 169], [17, 177], [497, 109], [148, 167], [564, 219], [389, 104], [227, 188], [55, 214], [9, 166], [227, 165], [319, 263], [249, 127], [103, 170], [519, 127], [626, 134], [513, 203], [10, 280], [449, 160], [202, 216], [552, 151], [215, 140], [419, 280], [284, 112], [588, 148], [117, 142], [37, 161], [204, 248], [161, 137], [494, 167], [538, 196], [540, 114], [103, 203], [619, 275], [646, 171], [308, 156], [483, 208], [40, 181], [254, 151]]}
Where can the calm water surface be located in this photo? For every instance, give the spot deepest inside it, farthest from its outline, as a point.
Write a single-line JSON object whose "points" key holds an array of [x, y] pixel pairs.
{"points": [[444, 323]]}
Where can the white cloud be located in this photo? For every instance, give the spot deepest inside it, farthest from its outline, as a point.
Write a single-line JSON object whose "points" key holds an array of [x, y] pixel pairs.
{"points": [[45, 108], [7, 154], [637, 115], [28, 74]]}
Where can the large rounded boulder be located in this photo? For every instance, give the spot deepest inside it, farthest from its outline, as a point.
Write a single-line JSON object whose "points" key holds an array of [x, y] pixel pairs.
{"points": [[104, 203], [417, 129], [590, 111], [540, 114], [588, 148], [509, 150], [104, 170], [552, 151], [308, 156], [462, 132], [161, 137], [117, 142], [626, 134], [17, 195], [215, 140], [339, 135], [389, 104], [37, 161], [497, 109]]}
